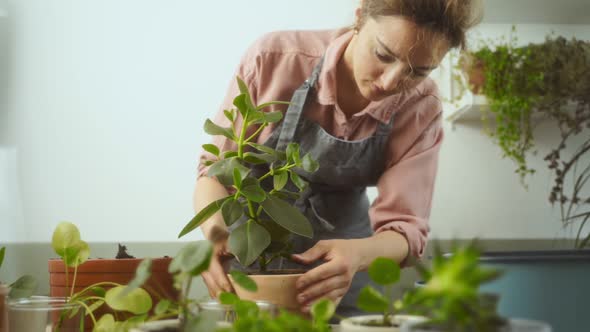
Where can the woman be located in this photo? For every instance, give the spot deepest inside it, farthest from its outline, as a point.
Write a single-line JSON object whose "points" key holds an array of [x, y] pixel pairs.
{"points": [[371, 118]]}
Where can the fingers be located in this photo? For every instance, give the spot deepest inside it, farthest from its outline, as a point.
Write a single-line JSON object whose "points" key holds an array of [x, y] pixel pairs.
{"points": [[324, 271], [335, 296], [312, 254], [331, 288], [216, 278]]}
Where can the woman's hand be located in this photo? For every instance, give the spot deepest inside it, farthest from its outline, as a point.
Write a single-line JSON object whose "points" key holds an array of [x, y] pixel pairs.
{"points": [[215, 277], [333, 278]]}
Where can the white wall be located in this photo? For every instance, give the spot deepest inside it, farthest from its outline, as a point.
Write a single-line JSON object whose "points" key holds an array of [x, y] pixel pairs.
{"points": [[104, 103]]}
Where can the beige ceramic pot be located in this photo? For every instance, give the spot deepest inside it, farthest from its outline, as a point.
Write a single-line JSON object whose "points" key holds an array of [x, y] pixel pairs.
{"points": [[278, 289]]}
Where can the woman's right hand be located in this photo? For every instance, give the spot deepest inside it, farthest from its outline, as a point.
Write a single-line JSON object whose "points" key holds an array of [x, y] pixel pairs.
{"points": [[216, 276]]}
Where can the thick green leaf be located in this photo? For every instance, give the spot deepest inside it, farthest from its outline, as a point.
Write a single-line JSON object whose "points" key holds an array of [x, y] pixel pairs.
{"points": [[240, 103], [213, 129], [263, 148], [293, 153], [298, 181], [93, 307], [309, 164], [66, 235], [230, 114], [370, 300], [211, 148], [203, 215], [2, 253], [224, 170], [248, 241], [280, 180], [262, 106], [323, 310], [98, 291], [232, 211], [253, 191], [277, 233], [162, 306], [273, 117], [384, 271], [83, 252], [138, 301], [244, 281], [193, 258], [230, 154], [142, 274], [228, 298], [244, 90], [287, 216], [259, 158], [106, 323], [23, 287], [237, 178]]}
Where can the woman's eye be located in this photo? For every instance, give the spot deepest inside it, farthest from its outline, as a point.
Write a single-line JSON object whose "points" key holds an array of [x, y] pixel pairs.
{"points": [[383, 57]]}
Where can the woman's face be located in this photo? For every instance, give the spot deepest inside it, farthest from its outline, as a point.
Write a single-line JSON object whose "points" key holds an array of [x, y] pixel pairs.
{"points": [[391, 54]]}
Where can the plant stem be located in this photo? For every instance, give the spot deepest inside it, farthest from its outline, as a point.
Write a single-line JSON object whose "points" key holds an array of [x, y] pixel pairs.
{"points": [[242, 135], [74, 281], [262, 126]]}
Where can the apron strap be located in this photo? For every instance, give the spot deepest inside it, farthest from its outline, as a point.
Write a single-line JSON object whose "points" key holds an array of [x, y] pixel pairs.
{"points": [[296, 108]]}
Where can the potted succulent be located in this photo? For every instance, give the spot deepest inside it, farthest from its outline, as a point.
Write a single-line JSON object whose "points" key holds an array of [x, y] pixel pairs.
{"points": [[385, 273], [23, 287], [523, 83], [259, 212], [450, 298], [66, 312]]}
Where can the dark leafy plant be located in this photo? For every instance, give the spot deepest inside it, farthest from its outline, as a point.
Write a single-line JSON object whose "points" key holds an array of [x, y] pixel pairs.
{"points": [[450, 297], [384, 272], [260, 205], [24, 286], [67, 243]]}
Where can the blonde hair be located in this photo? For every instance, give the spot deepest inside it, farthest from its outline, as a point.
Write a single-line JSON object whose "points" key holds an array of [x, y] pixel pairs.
{"points": [[451, 18]]}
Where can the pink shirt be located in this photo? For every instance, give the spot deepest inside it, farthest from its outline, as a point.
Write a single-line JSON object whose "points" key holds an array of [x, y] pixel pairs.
{"points": [[276, 65]]}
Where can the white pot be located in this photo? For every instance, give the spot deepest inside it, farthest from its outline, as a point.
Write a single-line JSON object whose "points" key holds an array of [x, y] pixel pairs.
{"points": [[514, 325], [168, 323], [354, 324]]}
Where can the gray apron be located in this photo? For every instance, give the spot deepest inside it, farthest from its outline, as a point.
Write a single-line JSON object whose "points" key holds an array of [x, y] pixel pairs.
{"points": [[336, 201]]}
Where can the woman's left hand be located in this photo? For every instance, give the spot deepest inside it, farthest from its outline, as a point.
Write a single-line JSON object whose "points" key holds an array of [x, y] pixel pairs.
{"points": [[333, 278]]}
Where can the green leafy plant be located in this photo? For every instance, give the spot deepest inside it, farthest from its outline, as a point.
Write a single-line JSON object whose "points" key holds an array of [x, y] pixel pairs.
{"points": [[189, 262], [260, 206], [552, 81], [23, 287], [450, 297], [384, 272], [66, 243], [249, 318]]}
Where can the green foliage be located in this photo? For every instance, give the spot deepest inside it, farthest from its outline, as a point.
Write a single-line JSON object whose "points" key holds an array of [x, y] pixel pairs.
{"points": [[538, 77], [384, 272], [244, 281], [450, 297], [261, 205]]}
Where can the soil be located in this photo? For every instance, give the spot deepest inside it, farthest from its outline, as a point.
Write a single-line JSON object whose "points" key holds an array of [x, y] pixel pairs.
{"points": [[122, 253], [277, 272], [376, 323]]}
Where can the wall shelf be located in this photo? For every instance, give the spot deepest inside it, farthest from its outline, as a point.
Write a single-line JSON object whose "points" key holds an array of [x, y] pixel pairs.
{"points": [[471, 111]]}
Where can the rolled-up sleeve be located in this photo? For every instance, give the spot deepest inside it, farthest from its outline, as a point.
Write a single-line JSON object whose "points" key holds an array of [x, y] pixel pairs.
{"points": [[405, 189]]}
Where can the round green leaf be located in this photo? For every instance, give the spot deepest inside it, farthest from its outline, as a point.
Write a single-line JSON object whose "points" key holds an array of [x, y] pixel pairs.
{"points": [[142, 274], [280, 180], [213, 129], [193, 258], [106, 323], [211, 148], [23, 287], [298, 181], [248, 241], [253, 192], [384, 271], [309, 165], [231, 210], [66, 235], [137, 301], [370, 300], [288, 216], [244, 281], [323, 310], [228, 298], [162, 306]]}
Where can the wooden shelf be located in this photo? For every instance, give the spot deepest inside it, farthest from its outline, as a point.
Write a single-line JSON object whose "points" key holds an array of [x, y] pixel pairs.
{"points": [[471, 111], [536, 11]]}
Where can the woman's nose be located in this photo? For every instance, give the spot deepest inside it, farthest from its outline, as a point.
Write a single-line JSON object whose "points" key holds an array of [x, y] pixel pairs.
{"points": [[392, 77]]}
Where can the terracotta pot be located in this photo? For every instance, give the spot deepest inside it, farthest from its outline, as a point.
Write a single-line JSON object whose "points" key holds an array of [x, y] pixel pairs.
{"points": [[3, 317], [278, 289], [160, 285], [474, 68]]}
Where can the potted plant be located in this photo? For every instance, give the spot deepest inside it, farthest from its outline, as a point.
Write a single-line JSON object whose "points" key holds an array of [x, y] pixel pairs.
{"points": [[67, 312], [451, 300], [544, 80], [384, 272], [259, 211], [22, 287]]}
